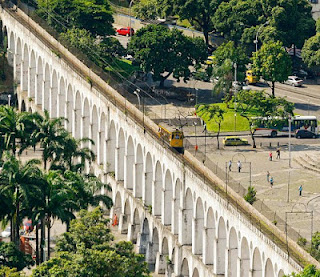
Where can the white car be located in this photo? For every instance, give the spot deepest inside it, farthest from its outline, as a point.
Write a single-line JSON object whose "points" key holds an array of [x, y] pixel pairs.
{"points": [[6, 233], [294, 81]]}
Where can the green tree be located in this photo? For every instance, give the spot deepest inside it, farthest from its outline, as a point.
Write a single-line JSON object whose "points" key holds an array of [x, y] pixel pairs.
{"points": [[315, 243], [272, 62], [147, 9], [308, 271], [213, 112], [92, 15], [6, 271], [12, 257], [311, 49], [164, 52], [225, 78], [87, 250], [250, 197]]}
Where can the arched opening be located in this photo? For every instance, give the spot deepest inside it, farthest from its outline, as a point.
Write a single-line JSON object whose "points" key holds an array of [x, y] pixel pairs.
{"points": [[30, 110], [11, 49], [269, 272], [126, 217], [23, 106], [186, 236], [129, 164], [163, 258], [176, 204], [281, 273], [121, 153], [153, 250], [144, 238], [102, 140], [46, 89], [195, 273], [62, 98], [69, 109], [139, 172], [221, 247], [54, 95], [111, 148], [210, 238], [256, 264], [244, 259], [185, 268], [94, 131], [25, 70], [135, 226], [148, 180], [39, 82], [77, 116], [117, 205], [157, 189], [32, 76], [18, 63], [86, 121], [233, 253], [198, 229], [167, 208]]}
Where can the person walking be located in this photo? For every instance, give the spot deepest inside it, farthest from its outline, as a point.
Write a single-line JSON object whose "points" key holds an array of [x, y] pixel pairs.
{"points": [[271, 182], [278, 153], [115, 220], [239, 166], [268, 176], [300, 190], [270, 156], [230, 164]]}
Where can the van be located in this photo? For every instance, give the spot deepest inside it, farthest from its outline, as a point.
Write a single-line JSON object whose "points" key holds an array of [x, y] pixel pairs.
{"points": [[251, 77]]}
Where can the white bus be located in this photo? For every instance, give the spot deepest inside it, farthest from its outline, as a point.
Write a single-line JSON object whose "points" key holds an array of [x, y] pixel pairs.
{"points": [[277, 126]]}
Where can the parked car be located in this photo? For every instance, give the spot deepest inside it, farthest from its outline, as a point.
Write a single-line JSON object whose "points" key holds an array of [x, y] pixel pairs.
{"points": [[305, 134], [126, 31], [294, 81], [6, 233], [234, 140]]}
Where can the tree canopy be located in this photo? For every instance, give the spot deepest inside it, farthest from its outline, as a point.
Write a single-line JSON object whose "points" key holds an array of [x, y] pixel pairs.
{"points": [[164, 52], [311, 49]]}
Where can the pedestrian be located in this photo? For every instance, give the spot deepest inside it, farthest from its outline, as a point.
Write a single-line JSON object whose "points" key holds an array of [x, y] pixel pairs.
{"points": [[271, 181], [239, 166], [230, 164], [268, 176], [270, 156], [278, 153], [300, 190], [115, 220]]}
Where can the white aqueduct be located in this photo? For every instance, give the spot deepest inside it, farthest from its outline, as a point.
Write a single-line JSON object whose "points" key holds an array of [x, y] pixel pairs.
{"points": [[181, 223]]}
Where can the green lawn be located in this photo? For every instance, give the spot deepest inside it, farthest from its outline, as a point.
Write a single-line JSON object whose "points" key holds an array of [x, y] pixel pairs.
{"points": [[123, 66], [228, 124]]}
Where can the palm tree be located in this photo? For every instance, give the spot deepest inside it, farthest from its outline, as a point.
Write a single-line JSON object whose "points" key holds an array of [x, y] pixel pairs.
{"points": [[19, 182]]}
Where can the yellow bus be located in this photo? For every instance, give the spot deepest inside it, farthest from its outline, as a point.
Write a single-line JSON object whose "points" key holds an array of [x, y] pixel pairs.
{"points": [[173, 137]]}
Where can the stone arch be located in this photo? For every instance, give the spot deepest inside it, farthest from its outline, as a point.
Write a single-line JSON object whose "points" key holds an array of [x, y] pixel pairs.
{"points": [[39, 82], [4, 36], [120, 155], [32, 76], [86, 121], [23, 106], [281, 273], [244, 258], [176, 205], [62, 98], [25, 68], [221, 247], [47, 89], [185, 268], [198, 228], [111, 147], [144, 238], [210, 238], [157, 189], [165, 247], [54, 95], [126, 217], [269, 272], [129, 164], [69, 108], [135, 226], [195, 273], [167, 203], [102, 139], [138, 172], [186, 235], [148, 180], [18, 62], [256, 264], [117, 207], [94, 130], [11, 49], [77, 116], [233, 253], [174, 261], [30, 110], [153, 249]]}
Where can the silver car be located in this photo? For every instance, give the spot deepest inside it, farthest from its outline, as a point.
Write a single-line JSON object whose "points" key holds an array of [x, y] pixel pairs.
{"points": [[294, 81]]}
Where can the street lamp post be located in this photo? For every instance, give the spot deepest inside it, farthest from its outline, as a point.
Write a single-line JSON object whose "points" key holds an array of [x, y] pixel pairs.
{"points": [[136, 92], [131, 2], [257, 33], [235, 96], [9, 100]]}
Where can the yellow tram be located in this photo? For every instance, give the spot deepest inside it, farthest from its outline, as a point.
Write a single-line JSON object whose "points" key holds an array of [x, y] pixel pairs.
{"points": [[174, 138]]}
